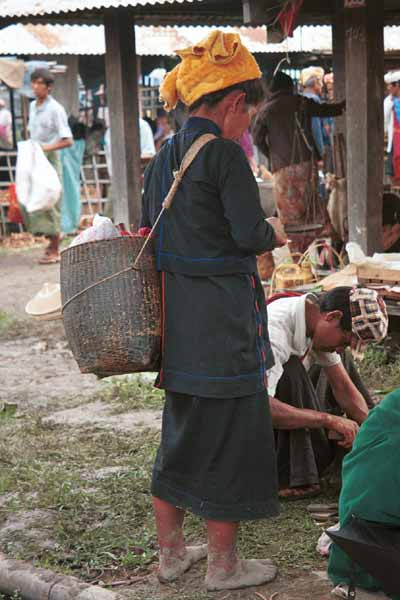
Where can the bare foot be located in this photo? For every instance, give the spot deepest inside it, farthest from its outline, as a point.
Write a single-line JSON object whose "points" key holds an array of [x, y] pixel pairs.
{"points": [[173, 565], [49, 259], [246, 573]]}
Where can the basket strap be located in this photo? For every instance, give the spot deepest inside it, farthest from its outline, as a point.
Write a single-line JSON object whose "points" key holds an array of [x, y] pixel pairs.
{"points": [[178, 176], [185, 164]]}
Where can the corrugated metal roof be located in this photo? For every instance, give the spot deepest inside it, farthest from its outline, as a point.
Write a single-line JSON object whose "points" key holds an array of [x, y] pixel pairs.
{"points": [[392, 38], [165, 40], [25, 8], [162, 41], [89, 39], [317, 38], [52, 39]]}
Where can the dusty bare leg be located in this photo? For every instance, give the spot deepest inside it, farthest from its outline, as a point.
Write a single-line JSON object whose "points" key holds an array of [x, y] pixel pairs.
{"points": [[225, 570], [54, 243], [52, 252], [175, 556]]}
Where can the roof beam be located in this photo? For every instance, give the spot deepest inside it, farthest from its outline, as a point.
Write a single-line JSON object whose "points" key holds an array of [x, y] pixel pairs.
{"points": [[123, 101], [364, 122], [255, 11]]}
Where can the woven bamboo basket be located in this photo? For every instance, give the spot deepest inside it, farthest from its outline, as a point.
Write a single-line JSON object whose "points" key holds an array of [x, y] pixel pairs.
{"points": [[115, 326]]}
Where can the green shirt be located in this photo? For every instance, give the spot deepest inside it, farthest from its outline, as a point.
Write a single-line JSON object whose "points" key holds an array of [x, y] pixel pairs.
{"points": [[371, 484]]}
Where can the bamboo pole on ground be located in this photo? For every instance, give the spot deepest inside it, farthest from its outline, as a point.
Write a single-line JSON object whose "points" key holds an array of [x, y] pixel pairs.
{"points": [[43, 584]]}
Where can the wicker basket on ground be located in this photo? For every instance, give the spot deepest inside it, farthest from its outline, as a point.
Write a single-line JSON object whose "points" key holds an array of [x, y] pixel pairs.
{"points": [[113, 325]]}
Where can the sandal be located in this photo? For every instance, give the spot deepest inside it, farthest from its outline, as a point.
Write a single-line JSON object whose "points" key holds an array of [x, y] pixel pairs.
{"points": [[317, 508], [324, 516], [299, 493], [49, 259]]}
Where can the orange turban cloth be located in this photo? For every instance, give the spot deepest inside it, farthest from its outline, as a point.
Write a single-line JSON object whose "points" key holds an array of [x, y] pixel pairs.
{"points": [[214, 64]]}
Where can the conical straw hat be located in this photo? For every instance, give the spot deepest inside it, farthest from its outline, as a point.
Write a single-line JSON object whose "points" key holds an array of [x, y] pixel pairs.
{"points": [[46, 301]]}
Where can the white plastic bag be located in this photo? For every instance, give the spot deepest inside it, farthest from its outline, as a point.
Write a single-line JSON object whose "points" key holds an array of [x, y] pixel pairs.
{"points": [[38, 185], [356, 255], [324, 541], [102, 229]]}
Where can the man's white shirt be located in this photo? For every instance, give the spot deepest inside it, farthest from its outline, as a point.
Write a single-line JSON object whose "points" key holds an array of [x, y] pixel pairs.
{"points": [[48, 122], [147, 146], [388, 120], [287, 333]]}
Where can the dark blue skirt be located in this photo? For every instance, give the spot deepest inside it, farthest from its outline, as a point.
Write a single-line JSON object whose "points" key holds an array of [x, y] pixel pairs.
{"points": [[217, 457]]}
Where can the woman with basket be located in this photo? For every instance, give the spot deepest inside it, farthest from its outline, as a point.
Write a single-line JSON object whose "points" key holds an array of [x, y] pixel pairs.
{"points": [[216, 456]]}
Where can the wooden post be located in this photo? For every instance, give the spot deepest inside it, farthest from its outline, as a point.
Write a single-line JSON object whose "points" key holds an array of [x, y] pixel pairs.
{"points": [[255, 11], [338, 61], [66, 84], [364, 121], [122, 101]]}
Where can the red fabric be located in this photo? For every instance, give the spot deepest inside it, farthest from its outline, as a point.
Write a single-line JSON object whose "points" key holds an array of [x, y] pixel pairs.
{"points": [[161, 376], [283, 295], [144, 231], [123, 231], [396, 146], [14, 213], [288, 16]]}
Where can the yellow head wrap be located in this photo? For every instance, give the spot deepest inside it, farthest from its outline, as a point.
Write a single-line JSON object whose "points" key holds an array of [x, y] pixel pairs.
{"points": [[214, 64]]}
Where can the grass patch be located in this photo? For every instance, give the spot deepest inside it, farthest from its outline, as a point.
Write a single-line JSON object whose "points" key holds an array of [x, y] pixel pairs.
{"points": [[11, 326], [99, 524], [132, 392], [380, 369], [7, 321], [102, 526]]}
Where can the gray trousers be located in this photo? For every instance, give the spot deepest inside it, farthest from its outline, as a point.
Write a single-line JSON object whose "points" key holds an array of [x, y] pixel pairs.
{"points": [[304, 454]]}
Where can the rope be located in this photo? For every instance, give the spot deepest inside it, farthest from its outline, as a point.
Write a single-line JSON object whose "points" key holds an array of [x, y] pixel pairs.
{"points": [[312, 202], [284, 59]]}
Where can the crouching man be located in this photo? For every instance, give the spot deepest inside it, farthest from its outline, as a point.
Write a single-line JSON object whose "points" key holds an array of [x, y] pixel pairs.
{"points": [[304, 331]]}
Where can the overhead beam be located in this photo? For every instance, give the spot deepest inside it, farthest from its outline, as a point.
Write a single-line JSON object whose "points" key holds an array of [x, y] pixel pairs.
{"points": [[364, 122], [122, 102], [255, 12]]}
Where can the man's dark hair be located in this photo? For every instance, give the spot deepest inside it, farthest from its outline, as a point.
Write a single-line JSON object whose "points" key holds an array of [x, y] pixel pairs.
{"points": [[152, 123], [281, 82], [253, 89], [78, 129], [338, 299], [48, 78]]}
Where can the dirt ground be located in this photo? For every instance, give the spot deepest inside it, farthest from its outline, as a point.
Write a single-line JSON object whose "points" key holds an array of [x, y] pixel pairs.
{"points": [[37, 369], [39, 375]]}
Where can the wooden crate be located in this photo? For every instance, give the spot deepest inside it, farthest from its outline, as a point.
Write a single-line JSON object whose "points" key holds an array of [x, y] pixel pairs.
{"points": [[378, 274]]}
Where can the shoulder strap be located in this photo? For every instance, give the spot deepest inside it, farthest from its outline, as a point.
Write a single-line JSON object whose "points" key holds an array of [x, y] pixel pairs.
{"points": [[178, 175], [185, 164]]}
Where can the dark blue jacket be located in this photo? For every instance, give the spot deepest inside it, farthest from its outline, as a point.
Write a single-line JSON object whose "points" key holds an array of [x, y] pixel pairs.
{"points": [[215, 322]]}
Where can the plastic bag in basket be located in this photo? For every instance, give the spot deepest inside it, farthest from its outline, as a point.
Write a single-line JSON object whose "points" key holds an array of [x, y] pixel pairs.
{"points": [[102, 229]]}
